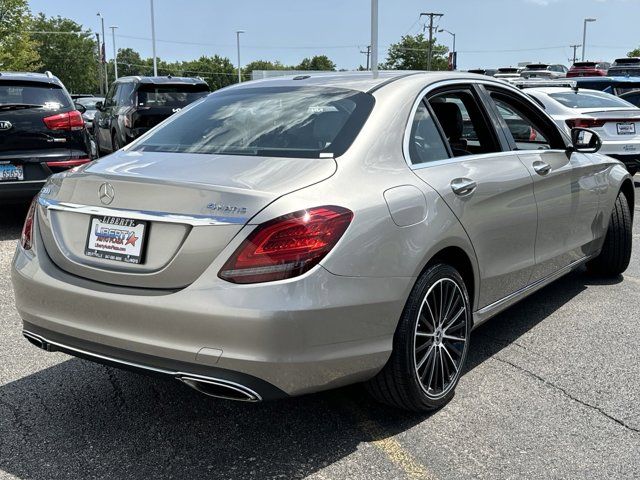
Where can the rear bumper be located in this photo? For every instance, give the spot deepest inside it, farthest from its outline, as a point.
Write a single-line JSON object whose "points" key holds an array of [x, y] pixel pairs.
{"points": [[311, 333]]}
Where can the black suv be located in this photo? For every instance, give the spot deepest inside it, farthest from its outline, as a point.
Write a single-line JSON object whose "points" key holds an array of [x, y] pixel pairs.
{"points": [[41, 133], [135, 104], [625, 67]]}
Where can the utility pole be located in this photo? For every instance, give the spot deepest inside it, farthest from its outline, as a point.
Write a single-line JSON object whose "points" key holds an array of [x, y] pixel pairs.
{"points": [[153, 42], [115, 52], [367, 52], [575, 56], [374, 38], [102, 92], [103, 55], [431, 17]]}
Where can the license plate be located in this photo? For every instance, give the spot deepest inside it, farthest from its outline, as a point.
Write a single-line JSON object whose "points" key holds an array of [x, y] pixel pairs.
{"points": [[116, 238], [626, 128], [9, 172]]}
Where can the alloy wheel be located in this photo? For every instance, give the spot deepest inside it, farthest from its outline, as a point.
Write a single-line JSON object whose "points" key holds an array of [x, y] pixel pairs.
{"points": [[441, 337]]}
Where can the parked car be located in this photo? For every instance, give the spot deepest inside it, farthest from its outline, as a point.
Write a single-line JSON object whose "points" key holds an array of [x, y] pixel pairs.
{"points": [[616, 121], [542, 70], [588, 69], [234, 248], [134, 105], [484, 71], [614, 85], [626, 66], [507, 72], [41, 133], [89, 104]]}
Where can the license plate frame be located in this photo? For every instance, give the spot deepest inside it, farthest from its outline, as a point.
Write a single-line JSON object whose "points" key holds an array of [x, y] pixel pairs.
{"points": [[118, 239], [626, 128], [10, 167]]}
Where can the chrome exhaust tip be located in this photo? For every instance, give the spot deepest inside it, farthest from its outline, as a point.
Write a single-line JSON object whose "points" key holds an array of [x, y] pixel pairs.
{"points": [[39, 342], [221, 389]]}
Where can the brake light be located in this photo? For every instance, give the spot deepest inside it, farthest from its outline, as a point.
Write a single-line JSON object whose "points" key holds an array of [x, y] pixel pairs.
{"points": [[27, 229], [65, 121], [585, 123], [287, 246], [74, 162]]}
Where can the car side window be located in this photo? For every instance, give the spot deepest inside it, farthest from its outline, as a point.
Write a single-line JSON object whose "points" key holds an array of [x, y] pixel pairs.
{"points": [[125, 97], [109, 99], [425, 142], [463, 123], [528, 130]]}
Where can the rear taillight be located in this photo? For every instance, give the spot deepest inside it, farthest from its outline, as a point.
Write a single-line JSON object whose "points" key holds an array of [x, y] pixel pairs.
{"points": [[585, 123], [73, 162], [287, 246], [65, 121], [27, 229]]}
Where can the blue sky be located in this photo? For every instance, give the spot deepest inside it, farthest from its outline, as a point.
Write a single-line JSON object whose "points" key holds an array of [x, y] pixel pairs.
{"points": [[490, 33]]}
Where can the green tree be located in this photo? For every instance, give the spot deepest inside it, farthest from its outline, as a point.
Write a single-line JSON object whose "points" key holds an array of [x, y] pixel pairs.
{"points": [[411, 52], [317, 62], [69, 54], [17, 45], [131, 63], [634, 53], [262, 65], [217, 71]]}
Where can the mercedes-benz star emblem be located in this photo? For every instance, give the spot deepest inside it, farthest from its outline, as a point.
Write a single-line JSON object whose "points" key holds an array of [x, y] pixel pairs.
{"points": [[106, 193]]}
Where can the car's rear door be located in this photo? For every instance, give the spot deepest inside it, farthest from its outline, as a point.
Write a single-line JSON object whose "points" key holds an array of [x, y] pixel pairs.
{"points": [[489, 190], [565, 184]]}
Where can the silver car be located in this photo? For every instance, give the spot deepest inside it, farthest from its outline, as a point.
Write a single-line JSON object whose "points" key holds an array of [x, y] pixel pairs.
{"points": [[287, 236]]}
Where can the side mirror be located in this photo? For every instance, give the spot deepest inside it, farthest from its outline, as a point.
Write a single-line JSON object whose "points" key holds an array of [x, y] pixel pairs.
{"points": [[80, 108], [585, 140], [99, 106]]}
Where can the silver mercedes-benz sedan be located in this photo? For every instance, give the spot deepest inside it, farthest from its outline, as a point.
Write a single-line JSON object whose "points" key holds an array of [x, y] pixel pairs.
{"points": [[293, 235]]}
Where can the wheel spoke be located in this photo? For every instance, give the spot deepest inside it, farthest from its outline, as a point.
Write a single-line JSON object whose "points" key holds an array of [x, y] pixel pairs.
{"points": [[434, 359], [455, 339], [441, 366], [422, 347], [426, 356], [422, 334], [433, 318], [455, 365], [440, 305], [452, 297], [452, 321]]}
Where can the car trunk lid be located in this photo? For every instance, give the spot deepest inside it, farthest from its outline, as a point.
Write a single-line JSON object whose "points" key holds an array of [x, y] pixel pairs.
{"points": [[192, 205]]}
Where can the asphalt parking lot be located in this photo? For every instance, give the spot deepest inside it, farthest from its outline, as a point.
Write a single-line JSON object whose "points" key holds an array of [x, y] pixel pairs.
{"points": [[552, 390]]}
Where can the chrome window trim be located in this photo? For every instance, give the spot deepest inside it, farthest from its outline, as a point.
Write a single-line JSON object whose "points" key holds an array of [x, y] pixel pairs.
{"points": [[166, 217], [446, 161]]}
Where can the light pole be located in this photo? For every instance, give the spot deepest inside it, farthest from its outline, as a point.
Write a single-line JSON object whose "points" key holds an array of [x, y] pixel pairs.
{"points": [[153, 42], [238, 32], [374, 38], [455, 56], [103, 55], [584, 34], [115, 53]]}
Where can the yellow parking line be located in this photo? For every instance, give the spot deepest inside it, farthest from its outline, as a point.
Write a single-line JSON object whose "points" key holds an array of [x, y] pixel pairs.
{"points": [[392, 449]]}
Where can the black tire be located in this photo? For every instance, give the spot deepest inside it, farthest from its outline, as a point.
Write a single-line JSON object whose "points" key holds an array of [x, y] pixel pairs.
{"points": [[399, 383], [616, 252], [99, 151]]}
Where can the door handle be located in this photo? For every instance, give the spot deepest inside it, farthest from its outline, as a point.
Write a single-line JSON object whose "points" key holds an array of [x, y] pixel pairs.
{"points": [[463, 186], [541, 168]]}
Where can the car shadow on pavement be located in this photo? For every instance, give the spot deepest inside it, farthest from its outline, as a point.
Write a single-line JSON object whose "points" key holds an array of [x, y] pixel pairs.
{"points": [[82, 420]]}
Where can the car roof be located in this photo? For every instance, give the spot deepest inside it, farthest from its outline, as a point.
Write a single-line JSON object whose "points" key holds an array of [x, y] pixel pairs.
{"points": [[46, 77], [360, 81], [162, 80], [549, 90]]}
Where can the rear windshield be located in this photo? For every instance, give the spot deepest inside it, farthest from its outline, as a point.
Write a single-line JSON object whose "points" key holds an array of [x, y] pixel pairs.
{"points": [[271, 121], [89, 102], [170, 95], [590, 100], [50, 97]]}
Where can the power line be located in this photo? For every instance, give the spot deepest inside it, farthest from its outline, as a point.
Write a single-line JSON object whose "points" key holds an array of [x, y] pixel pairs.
{"points": [[430, 45]]}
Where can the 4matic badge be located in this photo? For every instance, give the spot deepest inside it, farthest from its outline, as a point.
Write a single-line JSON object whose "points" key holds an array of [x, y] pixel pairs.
{"points": [[222, 208]]}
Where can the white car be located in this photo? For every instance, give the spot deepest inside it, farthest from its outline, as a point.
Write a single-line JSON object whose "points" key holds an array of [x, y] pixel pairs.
{"points": [[542, 70], [616, 121]]}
